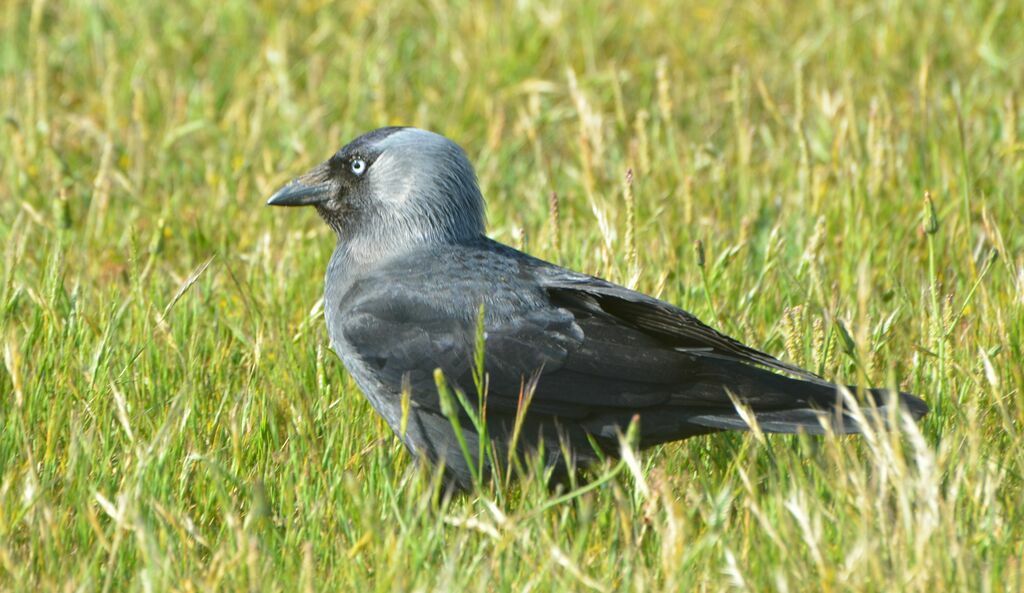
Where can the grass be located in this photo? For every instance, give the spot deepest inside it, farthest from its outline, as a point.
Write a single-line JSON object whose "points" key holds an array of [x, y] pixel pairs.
{"points": [[171, 417]]}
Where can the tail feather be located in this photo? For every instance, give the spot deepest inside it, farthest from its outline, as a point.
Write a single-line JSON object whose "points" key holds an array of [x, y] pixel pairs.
{"points": [[821, 416]]}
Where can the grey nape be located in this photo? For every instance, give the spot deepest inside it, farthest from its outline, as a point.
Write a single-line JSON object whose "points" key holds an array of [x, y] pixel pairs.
{"points": [[412, 268]]}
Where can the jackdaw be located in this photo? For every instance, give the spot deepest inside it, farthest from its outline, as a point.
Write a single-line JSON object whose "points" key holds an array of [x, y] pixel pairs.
{"points": [[403, 296]]}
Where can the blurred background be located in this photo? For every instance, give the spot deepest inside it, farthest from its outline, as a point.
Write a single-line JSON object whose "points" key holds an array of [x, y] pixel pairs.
{"points": [[838, 183]]}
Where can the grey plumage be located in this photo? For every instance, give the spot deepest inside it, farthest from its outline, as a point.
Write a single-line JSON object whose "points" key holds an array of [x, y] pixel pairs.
{"points": [[412, 268]]}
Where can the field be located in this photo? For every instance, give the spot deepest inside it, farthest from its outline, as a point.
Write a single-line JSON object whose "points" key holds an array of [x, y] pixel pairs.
{"points": [[837, 183]]}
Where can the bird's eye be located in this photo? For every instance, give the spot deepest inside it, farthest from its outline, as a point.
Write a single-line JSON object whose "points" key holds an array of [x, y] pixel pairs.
{"points": [[358, 166]]}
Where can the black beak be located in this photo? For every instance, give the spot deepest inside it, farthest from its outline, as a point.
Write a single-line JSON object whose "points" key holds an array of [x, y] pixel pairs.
{"points": [[310, 189]]}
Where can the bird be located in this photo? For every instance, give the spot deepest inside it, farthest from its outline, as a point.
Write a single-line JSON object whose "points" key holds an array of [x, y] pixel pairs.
{"points": [[415, 286]]}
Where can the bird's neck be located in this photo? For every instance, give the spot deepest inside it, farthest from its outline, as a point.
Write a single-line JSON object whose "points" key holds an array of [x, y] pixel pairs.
{"points": [[356, 256]]}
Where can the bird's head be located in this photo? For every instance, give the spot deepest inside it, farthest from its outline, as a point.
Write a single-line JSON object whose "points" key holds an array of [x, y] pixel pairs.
{"points": [[393, 189]]}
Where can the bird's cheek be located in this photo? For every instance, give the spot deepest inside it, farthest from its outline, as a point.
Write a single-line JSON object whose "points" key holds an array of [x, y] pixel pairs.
{"points": [[340, 202]]}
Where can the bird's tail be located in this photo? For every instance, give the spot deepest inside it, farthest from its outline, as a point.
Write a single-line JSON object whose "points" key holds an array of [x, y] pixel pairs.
{"points": [[844, 417], [812, 407]]}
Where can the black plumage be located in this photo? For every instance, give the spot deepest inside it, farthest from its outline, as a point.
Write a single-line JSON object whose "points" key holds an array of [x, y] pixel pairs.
{"points": [[413, 268]]}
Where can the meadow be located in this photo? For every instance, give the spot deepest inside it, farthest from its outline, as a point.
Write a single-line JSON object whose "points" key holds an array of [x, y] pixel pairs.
{"points": [[837, 183]]}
